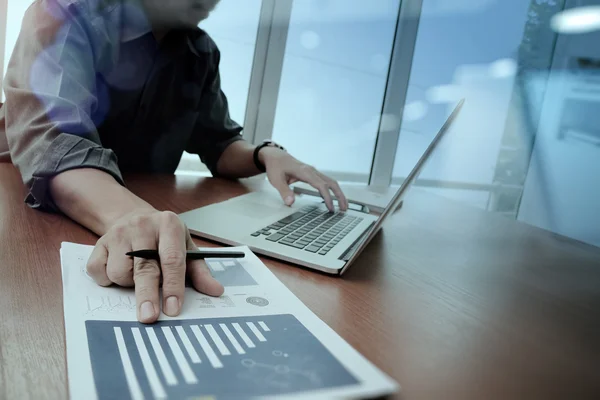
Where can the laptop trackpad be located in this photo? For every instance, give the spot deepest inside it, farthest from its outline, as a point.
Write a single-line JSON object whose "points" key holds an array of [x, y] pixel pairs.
{"points": [[255, 210]]}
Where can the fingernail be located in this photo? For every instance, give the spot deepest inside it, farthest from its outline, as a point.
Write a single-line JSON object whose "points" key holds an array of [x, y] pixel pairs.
{"points": [[147, 310], [172, 306], [289, 200]]}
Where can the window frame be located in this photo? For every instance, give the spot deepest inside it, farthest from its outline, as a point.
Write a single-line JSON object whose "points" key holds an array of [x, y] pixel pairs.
{"points": [[270, 49]]}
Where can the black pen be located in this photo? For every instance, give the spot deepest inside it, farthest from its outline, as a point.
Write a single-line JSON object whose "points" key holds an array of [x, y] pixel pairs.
{"points": [[190, 254]]}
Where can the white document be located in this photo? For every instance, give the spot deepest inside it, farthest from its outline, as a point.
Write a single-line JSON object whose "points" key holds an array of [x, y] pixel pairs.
{"points": [[256, 341]]}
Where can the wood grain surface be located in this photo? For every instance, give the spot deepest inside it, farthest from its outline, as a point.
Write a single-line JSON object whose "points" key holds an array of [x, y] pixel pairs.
{"points": [[452, 302]]}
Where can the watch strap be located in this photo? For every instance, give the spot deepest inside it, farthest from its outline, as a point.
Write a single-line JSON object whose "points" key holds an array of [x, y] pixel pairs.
{"points": [[266, 143], [257, 162]]}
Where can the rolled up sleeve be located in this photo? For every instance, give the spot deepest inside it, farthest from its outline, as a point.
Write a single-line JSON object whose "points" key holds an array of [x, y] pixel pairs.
{"points": [[53, 100], [215, 130]]}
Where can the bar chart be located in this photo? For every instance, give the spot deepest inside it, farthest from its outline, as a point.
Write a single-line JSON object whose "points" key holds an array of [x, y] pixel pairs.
{"points": [[237, 357]]}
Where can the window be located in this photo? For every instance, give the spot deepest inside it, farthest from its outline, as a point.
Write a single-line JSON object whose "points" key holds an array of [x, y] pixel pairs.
{"points": [[474, 50], [333, 83], [561, 191], [233, 26]]}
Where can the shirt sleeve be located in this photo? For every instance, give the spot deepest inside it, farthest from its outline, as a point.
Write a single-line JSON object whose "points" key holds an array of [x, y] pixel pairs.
{"points": [[214, 130], [52, 100]]}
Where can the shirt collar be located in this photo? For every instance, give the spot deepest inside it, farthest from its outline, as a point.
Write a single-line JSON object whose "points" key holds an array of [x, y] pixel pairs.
{"points": [[134, 22]]}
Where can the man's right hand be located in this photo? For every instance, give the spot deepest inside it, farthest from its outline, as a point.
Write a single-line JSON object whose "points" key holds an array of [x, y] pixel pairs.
{"points": [[154, 230]]}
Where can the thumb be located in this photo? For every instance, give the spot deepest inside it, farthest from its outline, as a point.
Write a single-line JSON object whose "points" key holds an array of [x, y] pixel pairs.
{"points": [[200, 276], [279, 182]]}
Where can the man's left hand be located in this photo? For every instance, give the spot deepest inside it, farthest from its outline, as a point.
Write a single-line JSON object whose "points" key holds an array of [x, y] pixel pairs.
{"points": [[283, 170]]}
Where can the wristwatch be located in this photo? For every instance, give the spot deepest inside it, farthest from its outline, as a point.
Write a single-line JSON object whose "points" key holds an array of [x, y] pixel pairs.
{"points": [[266, 143]]}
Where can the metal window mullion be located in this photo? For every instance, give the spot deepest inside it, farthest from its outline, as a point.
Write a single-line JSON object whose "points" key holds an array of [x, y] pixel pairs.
{"points": [[396, 90], [267, 67]]}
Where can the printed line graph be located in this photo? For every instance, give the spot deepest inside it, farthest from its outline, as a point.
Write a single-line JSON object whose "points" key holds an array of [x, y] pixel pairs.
{"points": [[237, 357], [109, 304]]}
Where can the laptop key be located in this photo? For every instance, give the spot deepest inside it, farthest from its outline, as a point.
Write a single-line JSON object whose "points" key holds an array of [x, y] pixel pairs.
{"points": [[297, 245], [312, 249], [291, 218], [256, 234], [275, 237], [323, 252]]}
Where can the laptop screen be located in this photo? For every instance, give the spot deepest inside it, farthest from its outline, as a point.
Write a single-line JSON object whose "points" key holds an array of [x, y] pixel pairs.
{"points": [[395, 202]]}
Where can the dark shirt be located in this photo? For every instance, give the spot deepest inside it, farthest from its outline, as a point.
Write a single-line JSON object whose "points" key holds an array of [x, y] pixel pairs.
{"points": [[88, 85]]}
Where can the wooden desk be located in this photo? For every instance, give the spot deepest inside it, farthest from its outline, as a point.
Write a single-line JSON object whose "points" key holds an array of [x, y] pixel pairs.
{"points": [[452, 302]]}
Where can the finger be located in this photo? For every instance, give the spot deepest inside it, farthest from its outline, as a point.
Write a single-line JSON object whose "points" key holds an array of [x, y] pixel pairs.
{"points": [[119, 267], [171, 249], [310, 176], [324, 190], [146, 275], [279, 182], [147, 282], [96, 265], [200, 275], [335, 187]]}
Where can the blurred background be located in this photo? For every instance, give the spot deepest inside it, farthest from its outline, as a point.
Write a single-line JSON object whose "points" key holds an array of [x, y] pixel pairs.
{"points": [[358, 89]]}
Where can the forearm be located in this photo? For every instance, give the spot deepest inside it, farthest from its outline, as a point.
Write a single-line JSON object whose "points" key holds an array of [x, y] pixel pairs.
{"points": [[93, 198], [237, 161]]}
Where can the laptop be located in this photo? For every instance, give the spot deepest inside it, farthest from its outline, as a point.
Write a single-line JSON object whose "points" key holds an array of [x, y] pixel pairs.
{"points": [[307, 233]]}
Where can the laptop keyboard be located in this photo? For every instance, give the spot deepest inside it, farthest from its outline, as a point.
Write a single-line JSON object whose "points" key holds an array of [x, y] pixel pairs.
{"points": [[311, 228]]}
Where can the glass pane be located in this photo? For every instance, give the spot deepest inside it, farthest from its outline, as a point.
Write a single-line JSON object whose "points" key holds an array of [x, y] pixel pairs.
{"points": [[233, 26], [561, 191], [475, 50], [333, 82]]}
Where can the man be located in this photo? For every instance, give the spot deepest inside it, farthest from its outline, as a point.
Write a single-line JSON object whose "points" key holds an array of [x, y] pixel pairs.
{"points": [[95, 88]]}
